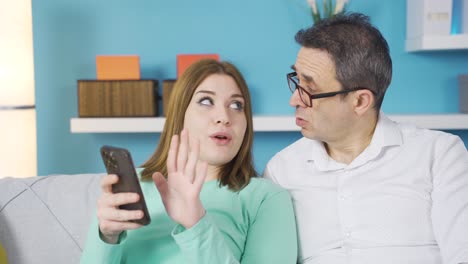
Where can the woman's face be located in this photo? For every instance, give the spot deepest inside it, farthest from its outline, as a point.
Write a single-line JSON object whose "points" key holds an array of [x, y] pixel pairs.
{"points": [[215, 116]]}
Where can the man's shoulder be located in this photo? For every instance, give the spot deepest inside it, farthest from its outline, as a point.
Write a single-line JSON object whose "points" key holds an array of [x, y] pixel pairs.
{"points": [[299, 146], [291, 154], [413, 133]]}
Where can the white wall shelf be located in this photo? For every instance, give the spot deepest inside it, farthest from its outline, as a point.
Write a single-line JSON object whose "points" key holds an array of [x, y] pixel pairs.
{"points": [[261, 123], [426, 43]]}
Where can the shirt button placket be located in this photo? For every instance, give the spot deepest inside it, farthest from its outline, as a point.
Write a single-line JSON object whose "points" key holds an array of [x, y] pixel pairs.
{"points": [[344, 205]]}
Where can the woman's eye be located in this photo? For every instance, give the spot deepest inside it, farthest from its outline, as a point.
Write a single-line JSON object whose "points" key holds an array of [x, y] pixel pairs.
{"points": [[237, 105], [205, 101]]}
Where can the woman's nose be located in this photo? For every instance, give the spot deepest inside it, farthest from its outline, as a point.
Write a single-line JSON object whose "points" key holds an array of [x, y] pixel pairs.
{"points": [[222, 117]]}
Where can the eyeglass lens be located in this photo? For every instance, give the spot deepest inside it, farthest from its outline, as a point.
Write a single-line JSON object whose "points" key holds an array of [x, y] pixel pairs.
{"points": [[293, 86]]}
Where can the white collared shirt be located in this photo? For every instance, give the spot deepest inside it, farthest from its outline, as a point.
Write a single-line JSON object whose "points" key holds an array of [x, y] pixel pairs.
{"points": [[403, 200]]}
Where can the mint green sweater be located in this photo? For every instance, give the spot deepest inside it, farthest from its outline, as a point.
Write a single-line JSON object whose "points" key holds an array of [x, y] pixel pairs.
{"points": [[253, 226]]}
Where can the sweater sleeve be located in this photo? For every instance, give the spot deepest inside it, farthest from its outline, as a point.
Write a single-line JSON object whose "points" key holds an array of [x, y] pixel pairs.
{"points": [[96, 251], [271, 237], [203, 243]]}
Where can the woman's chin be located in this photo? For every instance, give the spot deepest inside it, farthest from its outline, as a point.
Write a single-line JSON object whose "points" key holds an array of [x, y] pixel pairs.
{"points": [[217, 160]]}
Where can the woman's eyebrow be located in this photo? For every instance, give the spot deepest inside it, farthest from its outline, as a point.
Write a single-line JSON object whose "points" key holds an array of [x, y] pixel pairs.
{"points": [[237, 96], [214, 93], [206, 91]]}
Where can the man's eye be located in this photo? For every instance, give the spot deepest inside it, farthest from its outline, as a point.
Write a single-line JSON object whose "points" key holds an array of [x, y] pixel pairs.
{"points": [[205, 101], [237, 105], [308, 89]]}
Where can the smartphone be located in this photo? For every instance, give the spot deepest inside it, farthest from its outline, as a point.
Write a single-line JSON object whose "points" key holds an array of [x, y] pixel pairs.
{"points": [[118, 161]]}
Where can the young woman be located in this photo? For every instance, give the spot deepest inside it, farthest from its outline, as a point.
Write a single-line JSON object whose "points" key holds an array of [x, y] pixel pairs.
{"points": [[200, 186]]}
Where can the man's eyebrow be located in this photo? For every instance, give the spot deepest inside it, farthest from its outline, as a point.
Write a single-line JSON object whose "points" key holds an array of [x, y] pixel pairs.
{"points": [[307, 78]]}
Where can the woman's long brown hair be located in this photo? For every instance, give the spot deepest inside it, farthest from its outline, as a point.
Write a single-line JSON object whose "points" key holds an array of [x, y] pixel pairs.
{"points": [[237, 173]]}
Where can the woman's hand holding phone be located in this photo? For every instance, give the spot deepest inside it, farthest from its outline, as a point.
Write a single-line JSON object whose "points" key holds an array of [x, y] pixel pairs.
{"points": [[180, 192], [186, 174], [112, 220]]}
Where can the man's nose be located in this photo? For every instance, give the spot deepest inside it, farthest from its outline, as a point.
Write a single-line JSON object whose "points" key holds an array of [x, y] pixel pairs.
{"points": [[295, 99]]}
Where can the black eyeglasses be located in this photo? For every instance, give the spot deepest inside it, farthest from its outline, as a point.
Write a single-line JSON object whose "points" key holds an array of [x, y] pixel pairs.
{"points": [[306, 97]]}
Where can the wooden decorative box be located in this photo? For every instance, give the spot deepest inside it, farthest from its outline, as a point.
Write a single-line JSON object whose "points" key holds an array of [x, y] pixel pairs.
{"points": [[117, 98], [167, 86]]}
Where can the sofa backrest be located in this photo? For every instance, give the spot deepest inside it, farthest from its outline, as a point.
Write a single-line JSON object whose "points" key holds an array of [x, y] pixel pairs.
{"points": [[45, 219]]}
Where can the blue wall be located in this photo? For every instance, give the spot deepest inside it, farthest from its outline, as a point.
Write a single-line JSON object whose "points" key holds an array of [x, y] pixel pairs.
{"points": [[258, 36]]}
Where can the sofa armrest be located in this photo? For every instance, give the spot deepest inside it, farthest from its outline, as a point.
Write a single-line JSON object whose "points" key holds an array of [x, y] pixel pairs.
{"points": [[46, 219]]}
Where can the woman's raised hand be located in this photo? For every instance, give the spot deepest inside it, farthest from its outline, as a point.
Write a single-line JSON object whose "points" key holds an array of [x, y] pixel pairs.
{"points": [[112, 220], [180, 193]]}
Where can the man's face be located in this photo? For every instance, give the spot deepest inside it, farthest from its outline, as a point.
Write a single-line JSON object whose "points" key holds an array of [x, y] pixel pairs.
{"points": [[329, 119]]}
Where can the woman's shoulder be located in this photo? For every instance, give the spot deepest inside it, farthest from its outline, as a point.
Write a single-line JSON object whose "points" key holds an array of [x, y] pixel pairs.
{"points": [[262, 188], [262, 194]]}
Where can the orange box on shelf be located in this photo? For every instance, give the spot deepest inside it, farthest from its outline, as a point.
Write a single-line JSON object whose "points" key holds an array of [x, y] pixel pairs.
{"points": [[118, 67], [185, 60]]}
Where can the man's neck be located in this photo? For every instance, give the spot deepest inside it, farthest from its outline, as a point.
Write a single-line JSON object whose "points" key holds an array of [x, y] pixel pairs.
{"points": [[346, 149]]}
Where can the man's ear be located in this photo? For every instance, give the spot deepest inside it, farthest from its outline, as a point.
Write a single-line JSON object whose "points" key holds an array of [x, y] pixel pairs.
{"points": [[363, 101]]}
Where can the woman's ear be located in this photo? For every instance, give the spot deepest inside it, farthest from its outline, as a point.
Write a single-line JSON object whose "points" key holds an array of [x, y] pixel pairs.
{"points": [[364, 100]]}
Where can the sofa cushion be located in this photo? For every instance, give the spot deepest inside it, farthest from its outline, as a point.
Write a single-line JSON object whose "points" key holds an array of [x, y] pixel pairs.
{"points": [[45, 219]]}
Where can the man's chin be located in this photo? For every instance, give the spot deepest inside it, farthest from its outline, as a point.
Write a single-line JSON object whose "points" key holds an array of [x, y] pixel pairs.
{"points": [[309, 134]]}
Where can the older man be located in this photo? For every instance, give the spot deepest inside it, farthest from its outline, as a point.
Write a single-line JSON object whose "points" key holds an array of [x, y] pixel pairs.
{"points": [[366, 189]]}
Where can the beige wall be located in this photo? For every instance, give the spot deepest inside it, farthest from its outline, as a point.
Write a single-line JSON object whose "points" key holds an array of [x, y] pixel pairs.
{"points": [[17, 126]]}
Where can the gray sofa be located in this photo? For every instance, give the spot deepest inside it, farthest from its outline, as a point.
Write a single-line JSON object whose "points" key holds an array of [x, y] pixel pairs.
{"points": [[46, 219]]}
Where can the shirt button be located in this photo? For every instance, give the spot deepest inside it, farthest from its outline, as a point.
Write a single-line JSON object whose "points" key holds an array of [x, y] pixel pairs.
{"points": [[348, 234]]}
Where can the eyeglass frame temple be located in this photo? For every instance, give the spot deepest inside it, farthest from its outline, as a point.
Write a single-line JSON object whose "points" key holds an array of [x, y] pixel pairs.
{"points": [[322, 95]]}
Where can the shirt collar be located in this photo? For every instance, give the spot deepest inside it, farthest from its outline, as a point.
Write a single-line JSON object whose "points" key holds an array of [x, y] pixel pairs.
{"points": [[386, 134]]}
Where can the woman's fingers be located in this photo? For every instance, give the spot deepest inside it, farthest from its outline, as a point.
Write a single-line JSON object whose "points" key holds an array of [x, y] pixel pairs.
{"points": [[112, 219], [171, 162], [115, 225], [182, 160], [192, 161], [107, 182], [117, 199], [114, 228], [200, 175], [161, 184], [182, 153], [120, 215]]}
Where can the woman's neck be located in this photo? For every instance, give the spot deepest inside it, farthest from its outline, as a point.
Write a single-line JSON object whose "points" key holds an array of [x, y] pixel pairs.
{"points": [[212, 173]]}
